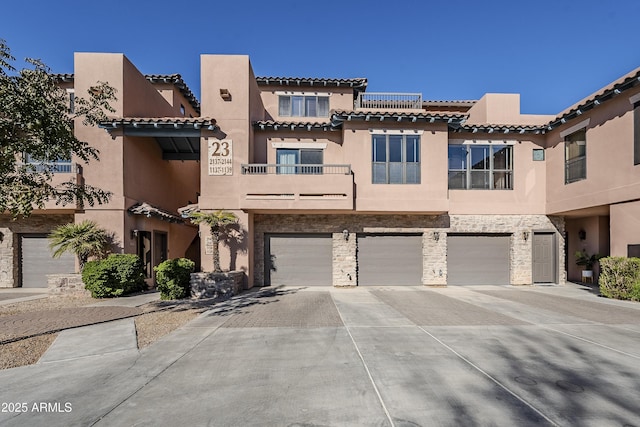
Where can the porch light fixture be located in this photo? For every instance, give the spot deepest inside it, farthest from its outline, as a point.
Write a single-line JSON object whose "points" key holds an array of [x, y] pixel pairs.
{"points": [[582, 235], [134, 234], [1, 236], [225, 94], [436, 235], [345, 234], [525, 235]]}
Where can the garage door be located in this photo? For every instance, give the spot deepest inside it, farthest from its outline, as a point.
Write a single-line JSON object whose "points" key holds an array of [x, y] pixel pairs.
{"points": [[36, 261], [478, 259], [389, 260], [299, 259]]}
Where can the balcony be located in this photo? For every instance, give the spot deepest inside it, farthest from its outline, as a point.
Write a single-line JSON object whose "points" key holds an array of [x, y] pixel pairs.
{"points": [[297, 186], [382, 101], [62, 172]]}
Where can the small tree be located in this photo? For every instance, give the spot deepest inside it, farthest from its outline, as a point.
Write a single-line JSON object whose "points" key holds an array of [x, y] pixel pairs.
{"points": [[84, 240], [218, 221], [35, 120]]}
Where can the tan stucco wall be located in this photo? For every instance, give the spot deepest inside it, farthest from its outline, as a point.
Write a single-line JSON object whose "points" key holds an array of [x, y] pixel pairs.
{"points": [[611, 175], [625, 227], [528, 193], [339, 99]]}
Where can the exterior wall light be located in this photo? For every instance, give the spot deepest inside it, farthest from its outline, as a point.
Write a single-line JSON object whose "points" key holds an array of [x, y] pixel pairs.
{"points": [[436, 235], [225, 94], [582, 235], [134, 234], [345, 234], [1, 236], [525, 235]]}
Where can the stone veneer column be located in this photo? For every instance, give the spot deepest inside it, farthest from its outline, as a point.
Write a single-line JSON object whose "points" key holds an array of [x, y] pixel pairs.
{"points": [[434, 256], [344, 260], [7, 264]]}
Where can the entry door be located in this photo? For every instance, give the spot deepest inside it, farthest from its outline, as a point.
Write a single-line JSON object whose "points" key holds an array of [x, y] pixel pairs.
{"points": [[144, 251], [544, 270], [160, 247]]}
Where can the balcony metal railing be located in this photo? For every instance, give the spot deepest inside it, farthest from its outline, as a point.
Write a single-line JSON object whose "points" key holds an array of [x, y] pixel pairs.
{"points": [[295, 169], [382, 100], [55, 167]]}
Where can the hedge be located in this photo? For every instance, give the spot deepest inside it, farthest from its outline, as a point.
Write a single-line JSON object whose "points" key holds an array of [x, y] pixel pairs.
{"points": [[117, 275], [620, 278], [173, 277]]}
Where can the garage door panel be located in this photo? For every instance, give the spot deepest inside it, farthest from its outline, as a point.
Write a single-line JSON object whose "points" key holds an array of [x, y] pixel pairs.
{"points": [[300, 259], [36, 261], [387, 260], [478, 260]]}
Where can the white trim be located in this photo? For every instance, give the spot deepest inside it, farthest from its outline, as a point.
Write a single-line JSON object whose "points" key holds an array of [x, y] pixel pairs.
{"points": [[575, 128], [486, 142], [317, 145], [635, 98], [396, 131], [290, 93]]}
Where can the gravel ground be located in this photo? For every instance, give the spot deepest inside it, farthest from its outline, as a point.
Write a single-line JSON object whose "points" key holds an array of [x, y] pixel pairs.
{"points": [[159, 319]]}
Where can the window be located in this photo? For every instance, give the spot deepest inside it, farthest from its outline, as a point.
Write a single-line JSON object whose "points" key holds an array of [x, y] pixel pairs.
{"points": [[575, 159], [303, 106], [302, 161], [481, 167], [182, 110], [636, 133], [72, 100], [396, 159]]}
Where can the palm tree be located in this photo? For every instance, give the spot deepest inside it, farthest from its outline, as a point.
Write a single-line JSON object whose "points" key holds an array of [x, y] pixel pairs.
{"points": [[217, 221], [84, 239]]}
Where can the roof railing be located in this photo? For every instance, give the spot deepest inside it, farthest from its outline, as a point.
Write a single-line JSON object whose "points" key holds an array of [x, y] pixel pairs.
{"points": [[384, 100]]}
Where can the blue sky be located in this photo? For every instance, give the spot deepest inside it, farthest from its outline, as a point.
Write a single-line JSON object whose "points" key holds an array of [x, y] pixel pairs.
{"points": [[552, 52]]}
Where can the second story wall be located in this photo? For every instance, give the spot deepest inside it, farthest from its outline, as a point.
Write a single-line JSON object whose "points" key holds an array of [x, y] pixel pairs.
{"points": [[600, 159], [519, 190]]}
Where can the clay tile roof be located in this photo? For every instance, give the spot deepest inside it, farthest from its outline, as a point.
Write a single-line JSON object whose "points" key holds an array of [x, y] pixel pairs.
{"points": [[203, 121], [358, 84], [284, 125], [175, 79], [151, 211]]}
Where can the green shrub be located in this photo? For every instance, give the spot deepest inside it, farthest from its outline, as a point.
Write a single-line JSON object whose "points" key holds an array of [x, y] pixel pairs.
{"points": [[117, 275], [173, 276], [620, 278]]}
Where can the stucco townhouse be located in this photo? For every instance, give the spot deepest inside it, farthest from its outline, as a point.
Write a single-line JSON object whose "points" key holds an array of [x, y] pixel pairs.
{"points": [[334, 185]]}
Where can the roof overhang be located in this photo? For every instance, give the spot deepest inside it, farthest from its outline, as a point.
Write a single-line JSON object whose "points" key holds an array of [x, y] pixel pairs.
{"points": [[268, 125], [179, 138], [357, 84], [452, 119], [154, 212]]}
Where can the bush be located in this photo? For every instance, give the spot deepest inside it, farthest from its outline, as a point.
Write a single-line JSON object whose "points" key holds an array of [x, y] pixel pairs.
{"points": [[620, 278], [118, 275], [173, 277]]}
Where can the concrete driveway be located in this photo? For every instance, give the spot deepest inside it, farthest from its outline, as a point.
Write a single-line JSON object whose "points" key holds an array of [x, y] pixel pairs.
{"points": [[411, 356]]}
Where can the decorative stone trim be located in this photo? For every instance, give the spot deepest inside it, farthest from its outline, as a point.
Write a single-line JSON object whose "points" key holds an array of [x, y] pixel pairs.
{"points": [[65, 284], [216, 285], [434, 229]]}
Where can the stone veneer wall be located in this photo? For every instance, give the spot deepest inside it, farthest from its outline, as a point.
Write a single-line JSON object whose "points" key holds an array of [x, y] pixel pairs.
{"points": [[434, 249], [216, 285], [65, 284], [10, 245]]}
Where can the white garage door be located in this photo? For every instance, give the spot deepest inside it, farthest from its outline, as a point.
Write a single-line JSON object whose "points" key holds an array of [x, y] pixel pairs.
{"points": [[36, 261], [299, 259], [389, 260], [478, 259]]}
